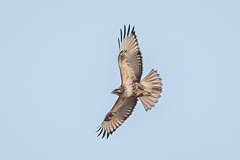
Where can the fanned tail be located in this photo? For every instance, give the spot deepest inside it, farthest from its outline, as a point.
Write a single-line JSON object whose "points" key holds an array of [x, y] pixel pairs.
{"points": [[152, 86]]}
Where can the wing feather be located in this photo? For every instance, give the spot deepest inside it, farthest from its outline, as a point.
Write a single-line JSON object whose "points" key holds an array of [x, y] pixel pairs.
{"points": [[129, 59], [124, 31], [121, 110], [128, 30]]}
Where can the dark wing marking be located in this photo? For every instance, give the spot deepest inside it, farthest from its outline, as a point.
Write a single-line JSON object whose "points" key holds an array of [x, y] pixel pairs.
{"points": [[124, 32], [129, 59], [121, 110]]}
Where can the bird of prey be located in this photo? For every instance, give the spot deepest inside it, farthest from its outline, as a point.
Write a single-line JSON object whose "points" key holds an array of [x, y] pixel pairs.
{"points": [[148, 89]]}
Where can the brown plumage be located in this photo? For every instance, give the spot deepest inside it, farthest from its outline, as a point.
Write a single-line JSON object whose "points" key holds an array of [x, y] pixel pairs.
{"points": [[147, 90]]}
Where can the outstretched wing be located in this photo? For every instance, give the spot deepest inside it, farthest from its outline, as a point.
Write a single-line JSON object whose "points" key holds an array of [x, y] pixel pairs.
{"points": [[129, 59], [121, 110]]}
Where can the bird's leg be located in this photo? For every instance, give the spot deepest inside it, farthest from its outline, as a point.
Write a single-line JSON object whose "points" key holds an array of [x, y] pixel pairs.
{"points": [[135, 88], [139, 90], [144, 91]]}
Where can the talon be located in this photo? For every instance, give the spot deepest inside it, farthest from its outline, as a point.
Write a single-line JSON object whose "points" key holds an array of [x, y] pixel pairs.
{"points": [[146, 93]]}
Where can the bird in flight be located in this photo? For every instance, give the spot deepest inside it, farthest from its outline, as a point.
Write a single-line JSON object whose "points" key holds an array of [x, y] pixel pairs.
{"points": [[132, 88]]}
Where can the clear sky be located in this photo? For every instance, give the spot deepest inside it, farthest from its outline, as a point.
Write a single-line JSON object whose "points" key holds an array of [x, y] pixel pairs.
{"points": [[58, 66]]}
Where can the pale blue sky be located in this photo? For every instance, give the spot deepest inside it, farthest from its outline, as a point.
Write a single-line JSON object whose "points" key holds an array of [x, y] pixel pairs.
{"points": [[58, 66]]}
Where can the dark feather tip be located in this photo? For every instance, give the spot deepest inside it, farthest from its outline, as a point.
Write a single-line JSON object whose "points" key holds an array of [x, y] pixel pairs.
{"points": [[124, 32], [128, 30], [100, 132], [118, 42], [103, 134], [98, 128], [133, 30], [121, 34]]}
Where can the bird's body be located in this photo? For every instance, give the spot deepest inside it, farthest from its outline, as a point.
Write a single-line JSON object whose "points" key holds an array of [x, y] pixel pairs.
{"points": [[128, 91], [132, 87]]}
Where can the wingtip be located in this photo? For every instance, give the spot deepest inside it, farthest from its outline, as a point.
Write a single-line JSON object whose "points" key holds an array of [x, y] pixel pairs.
{"points": [[103, 134], [121, 34], [128, 30], [100, 132], [118, 43], [98, 128], [133, 31], [124, 35]]}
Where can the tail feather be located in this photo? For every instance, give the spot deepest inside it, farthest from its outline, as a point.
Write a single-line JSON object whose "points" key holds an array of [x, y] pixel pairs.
{"points": [[152, 84]]}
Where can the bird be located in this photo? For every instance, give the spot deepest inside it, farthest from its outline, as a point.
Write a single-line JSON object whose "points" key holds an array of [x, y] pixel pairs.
{"points": [[132, 88]]}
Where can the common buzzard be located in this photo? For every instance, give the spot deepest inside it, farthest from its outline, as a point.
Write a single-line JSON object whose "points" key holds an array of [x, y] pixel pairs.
{"points": [[147, 90]]}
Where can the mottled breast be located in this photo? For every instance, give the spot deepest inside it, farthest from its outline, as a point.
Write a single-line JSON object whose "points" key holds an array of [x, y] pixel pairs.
{"points": [[129, 91]]}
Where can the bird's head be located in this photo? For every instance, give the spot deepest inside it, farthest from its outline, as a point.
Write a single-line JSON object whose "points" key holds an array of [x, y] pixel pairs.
{"points": [[118, 91]]}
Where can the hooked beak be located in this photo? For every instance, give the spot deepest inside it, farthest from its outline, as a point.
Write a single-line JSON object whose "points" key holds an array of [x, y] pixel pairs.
{"points": [[114, 92]]}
